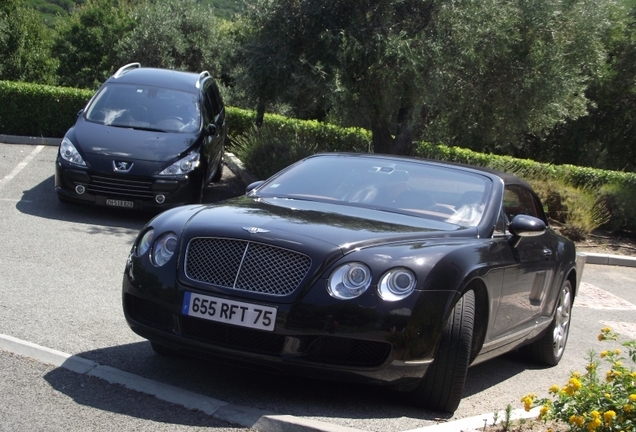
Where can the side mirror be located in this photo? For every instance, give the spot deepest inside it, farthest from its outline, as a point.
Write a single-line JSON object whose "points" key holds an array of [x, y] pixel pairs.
{"points": [[79, 113], [525, 226], [253, 186], [211, 129]]}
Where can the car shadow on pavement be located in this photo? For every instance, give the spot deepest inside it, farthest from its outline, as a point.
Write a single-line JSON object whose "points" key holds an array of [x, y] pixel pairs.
{"points": [[265, 390]]}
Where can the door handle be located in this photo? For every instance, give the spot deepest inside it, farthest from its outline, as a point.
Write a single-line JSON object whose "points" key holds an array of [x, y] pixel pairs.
{"points": [[547, 253]]}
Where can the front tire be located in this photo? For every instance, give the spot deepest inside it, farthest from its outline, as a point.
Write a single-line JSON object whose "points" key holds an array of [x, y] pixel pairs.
{"points": [[442, 387], [550, 348]]}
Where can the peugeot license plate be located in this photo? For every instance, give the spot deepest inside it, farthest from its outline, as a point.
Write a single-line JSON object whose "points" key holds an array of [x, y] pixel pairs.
{"points": [[229, 311], [120, 203]]}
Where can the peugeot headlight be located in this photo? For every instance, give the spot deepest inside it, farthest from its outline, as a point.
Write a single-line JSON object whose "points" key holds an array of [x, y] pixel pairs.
{"points": [[69, 153], [163, 249], [183, 166], [349, 281], [396, 284]]}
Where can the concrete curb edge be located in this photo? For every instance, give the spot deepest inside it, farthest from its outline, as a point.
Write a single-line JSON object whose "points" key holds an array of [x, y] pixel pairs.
{"points": [[243, 416]]}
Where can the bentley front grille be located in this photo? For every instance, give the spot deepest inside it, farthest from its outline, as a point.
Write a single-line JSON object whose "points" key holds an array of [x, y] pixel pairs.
{"points": [[245, 265]]}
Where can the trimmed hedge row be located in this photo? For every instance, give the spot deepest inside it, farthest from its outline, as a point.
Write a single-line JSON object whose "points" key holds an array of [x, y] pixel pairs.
{"points": [[40, 110], [331, 137]]}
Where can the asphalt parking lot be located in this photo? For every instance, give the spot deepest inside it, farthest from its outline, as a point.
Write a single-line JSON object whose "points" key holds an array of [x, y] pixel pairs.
{"points": [[61, 268]]}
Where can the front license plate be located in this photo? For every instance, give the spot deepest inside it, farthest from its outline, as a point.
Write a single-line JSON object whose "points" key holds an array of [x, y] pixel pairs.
{"points": [[229, 311], [120, 203]]}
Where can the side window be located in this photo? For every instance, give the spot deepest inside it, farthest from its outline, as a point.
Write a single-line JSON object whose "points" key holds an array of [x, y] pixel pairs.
{"points": [[211, 101], [519, 200]]}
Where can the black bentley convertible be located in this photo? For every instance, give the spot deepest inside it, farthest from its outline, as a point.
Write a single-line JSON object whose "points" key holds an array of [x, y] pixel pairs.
{"points": [[390, 270]]}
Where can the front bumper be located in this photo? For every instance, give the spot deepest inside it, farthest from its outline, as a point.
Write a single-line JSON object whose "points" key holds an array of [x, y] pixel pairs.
{"points": [[134, 193], [312, 337]]}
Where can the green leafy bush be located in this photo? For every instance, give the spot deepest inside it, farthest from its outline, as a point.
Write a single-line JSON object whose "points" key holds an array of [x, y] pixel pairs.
{"points": [[39, 110], [595, 402]]}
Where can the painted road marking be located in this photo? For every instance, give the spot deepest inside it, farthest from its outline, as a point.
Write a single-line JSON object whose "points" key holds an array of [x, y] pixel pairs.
{"points": [[593, 297], [20, 166]]}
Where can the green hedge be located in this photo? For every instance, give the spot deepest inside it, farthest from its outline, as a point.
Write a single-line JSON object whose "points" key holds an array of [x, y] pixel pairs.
{"points": [[39, 110]]}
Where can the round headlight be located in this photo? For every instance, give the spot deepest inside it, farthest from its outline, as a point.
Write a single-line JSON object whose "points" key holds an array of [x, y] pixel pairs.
{"points": [[396, 284], [163, 249], [144, 242], [349, 281]]}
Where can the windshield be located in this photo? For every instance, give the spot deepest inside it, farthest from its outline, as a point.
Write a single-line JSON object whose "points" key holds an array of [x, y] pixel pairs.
{"points": [[443, 193], [145, 107]]}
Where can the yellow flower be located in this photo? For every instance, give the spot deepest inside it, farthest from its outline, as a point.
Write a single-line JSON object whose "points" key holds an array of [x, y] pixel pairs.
{"points": [[608, 417], [527, 401], [617, 351], [544, 410], [595, 415], [601, 337], [594, 424], [577, 420], [606, 330], [572, 386], [591, 367], [632, 397], [608, 396], [604, 354], [576, 374], [618, 364], [554, 389], [627, 408]]}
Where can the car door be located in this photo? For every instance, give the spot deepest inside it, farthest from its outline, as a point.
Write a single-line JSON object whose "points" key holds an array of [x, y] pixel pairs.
{"points": [[214, 122], [531, 270]]}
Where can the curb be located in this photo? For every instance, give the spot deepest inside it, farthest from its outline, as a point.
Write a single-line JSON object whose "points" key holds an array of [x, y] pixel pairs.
{"points": [[263, 421], [15, 139]]}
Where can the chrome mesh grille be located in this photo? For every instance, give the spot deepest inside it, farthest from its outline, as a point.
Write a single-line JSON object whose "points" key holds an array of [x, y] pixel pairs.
{"points": [[245, 265]]}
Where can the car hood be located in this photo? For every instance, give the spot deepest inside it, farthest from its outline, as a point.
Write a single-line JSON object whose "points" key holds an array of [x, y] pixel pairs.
{"points": [[307, 223], [132, 144]]}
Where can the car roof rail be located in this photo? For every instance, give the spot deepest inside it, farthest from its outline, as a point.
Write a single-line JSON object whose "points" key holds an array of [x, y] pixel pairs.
{"points": [[122, 70], [202, 76]]}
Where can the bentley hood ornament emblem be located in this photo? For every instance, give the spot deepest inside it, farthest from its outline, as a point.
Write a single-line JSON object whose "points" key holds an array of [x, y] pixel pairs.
{"points": [[255, 230]]}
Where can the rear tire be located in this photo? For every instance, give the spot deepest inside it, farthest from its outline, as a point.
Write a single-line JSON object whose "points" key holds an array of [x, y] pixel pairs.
{"points": [[442, 387], [550, 348]]}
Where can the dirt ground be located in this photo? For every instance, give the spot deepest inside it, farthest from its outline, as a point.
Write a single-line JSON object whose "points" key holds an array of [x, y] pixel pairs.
{"points": [[603, 242]]}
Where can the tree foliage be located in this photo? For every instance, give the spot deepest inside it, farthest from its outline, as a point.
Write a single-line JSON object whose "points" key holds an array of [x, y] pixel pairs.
{"points": [[24, 45], [85, 44], [477, 74], [178, 34]]}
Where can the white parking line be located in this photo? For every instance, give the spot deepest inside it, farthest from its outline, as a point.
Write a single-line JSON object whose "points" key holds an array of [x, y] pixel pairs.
{"points": [[20, 166], [593, 297]]}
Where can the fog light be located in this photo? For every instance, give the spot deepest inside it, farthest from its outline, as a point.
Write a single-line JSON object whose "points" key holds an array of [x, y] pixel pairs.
{"points": [[80, 189], [160, 199]]}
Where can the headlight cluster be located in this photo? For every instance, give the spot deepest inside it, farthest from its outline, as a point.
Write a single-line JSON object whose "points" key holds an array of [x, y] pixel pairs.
{"points": [[69, 153], [183, 166], [161, 249], [351, 280]]}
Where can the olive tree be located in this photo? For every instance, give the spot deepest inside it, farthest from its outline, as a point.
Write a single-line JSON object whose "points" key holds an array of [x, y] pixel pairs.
{"points": [[86, 42], [480, 74], [179, 34]]}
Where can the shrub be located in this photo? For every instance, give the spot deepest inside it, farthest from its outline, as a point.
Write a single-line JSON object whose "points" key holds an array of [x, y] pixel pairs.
{"points": [[579, 210], [595, 402]]}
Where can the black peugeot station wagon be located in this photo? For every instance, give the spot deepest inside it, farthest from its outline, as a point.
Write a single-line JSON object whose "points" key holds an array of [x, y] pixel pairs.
{"points": [[149, 139]]}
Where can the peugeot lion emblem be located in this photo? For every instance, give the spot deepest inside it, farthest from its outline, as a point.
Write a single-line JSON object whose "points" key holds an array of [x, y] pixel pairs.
{"points": [[122, 166], [255, 230]]}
